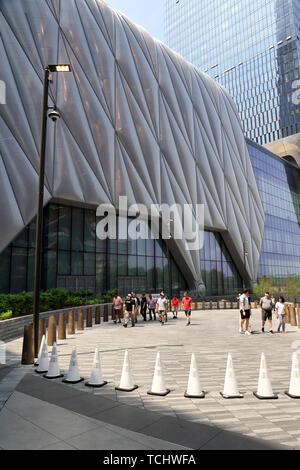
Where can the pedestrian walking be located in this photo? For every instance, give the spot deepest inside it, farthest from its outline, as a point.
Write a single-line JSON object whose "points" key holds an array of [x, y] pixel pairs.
{"points": [[129, 311], [245, 311], [117, 306], [151, 307], [144, 306], [187, 305], [137, 305], [266, 304], [161, 307], [175, 307], [280, 308]]}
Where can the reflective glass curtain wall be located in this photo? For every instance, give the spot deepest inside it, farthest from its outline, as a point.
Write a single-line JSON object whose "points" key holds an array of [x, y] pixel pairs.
{"points": [[252, 49], [279, 187], [75, 259]]}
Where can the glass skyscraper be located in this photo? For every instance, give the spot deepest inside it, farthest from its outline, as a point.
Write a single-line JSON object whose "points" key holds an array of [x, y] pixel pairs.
{"points": [[252, 48]]}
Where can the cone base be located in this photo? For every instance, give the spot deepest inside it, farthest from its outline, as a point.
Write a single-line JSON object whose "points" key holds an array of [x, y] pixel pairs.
{"points": [[159, 394], [73, 382], [295, 397], [126, 389], [52, 378], [229, 397], [187, 395], [260, 397], [87, 384], [41, 371]]}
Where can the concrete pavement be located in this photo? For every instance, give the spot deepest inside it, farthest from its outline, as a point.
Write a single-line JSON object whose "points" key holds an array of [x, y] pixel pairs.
{"points": [[218, 423]]}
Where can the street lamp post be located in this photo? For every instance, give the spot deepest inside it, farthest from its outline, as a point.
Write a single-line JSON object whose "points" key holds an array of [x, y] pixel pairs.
{"points": [[245, 247], [169, 273], [39, 220]]}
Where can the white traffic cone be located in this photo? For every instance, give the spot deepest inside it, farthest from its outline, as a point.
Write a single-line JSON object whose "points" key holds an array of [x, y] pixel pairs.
{"points": [[53, 370], [158, 383], [126, 382], [43, 361], [73, 376], [194, 389], [96, 379], [230, 386], [294, 391], [264, 390], [40, 351]]}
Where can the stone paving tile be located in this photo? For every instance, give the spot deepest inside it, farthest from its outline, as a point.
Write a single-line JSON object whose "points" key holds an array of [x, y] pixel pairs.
{"points": [[211, 337]]}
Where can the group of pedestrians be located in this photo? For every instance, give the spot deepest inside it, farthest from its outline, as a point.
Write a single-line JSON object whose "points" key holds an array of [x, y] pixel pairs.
{"points": [[154, 307], [268, 306]]}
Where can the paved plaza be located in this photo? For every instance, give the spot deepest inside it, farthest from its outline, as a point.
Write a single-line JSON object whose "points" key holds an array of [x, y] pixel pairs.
{"points": [[74, 416]]}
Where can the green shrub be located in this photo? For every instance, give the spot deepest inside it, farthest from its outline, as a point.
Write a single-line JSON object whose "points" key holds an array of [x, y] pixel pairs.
{"points": [[6, 315], [53, 299], [107, 296]]}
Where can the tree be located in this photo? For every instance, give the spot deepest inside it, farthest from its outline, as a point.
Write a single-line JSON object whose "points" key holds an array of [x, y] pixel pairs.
{"points": [[292, 287], [266, 284]]}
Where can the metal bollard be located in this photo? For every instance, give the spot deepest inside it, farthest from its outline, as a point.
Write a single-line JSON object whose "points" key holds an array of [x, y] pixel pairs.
{"points": [[28, 349], [80, 320], [105, 316], [71, 322], [89, 318], [42, 330], [293, 316], [62, 326], [51, 330], [97, 316]]}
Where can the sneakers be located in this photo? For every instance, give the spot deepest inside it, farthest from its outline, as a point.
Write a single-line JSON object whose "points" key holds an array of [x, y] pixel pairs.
{"points": [[247, 333], [125, 326], [162, 323], [272, 332], [262, 330], [241, 330], [188, 324]]}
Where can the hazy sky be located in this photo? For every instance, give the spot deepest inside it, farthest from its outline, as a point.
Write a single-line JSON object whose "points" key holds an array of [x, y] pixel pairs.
{"points": [[147, 13]]}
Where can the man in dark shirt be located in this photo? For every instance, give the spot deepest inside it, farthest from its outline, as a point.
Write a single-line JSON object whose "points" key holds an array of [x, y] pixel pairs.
{"points": [[129, 311], [144, 306]]}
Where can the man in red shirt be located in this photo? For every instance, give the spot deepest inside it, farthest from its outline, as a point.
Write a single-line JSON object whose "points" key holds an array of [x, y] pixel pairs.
{"points": [[187, 305], [175, 305]]}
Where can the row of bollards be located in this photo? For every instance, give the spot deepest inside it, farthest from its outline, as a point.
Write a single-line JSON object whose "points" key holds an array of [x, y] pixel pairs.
{"points": [[194, 389], [55, 333]]}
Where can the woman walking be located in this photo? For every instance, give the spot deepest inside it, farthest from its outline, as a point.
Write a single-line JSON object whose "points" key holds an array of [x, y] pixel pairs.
{"points": [[280, 313]]}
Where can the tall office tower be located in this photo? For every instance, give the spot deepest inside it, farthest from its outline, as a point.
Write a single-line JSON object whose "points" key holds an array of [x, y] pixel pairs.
{"points": [[252, 48]]}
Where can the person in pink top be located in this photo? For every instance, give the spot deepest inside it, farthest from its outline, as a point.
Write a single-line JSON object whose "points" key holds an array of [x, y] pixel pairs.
{"points": [[187, 305], [118, 307]]}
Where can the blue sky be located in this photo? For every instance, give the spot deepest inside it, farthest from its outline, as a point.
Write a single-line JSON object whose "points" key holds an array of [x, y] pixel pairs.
{"points": [[147, 13]]}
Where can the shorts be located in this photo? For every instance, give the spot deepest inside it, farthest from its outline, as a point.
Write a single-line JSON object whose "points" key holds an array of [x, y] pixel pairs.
{"points": [[162, 312], [117, 311], [188, 312], [266, 315], [175, 309], [246, 316]]}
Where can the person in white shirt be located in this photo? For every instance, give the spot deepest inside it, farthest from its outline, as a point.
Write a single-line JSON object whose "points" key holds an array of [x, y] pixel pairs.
{"points": [[280, 313], [245, 310], [161, 307]]}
